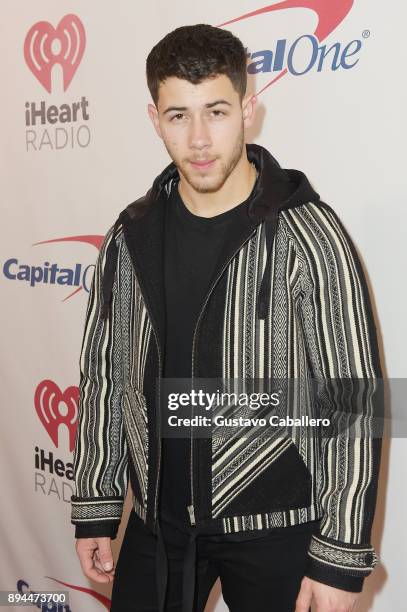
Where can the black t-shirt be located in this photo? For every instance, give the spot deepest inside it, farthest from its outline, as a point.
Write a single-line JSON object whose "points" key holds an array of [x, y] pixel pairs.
{"points": [[192, 247]]}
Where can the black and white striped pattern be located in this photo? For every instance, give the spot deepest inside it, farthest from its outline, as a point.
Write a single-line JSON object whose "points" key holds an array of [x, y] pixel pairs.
{"points": [[260, 349], [320, 307], [319, 325], [339, 329], [111, 421]]}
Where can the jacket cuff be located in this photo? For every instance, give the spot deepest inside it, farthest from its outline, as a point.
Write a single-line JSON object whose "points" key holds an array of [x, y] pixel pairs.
{"points": [[96, 516], [97, 530], [338, 564]]}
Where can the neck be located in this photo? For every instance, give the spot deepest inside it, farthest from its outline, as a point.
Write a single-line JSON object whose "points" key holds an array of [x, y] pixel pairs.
{"points": [[235, 190]]}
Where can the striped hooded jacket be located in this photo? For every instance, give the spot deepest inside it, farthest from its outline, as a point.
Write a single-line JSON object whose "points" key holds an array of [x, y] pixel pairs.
{"points": [[288, 300]]}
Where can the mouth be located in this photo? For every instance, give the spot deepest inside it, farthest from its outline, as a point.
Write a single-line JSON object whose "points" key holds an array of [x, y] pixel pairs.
{"points": [[203, 165]]}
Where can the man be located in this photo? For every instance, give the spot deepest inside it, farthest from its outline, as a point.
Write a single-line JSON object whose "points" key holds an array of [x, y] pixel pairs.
{"points": [[228, 268]]}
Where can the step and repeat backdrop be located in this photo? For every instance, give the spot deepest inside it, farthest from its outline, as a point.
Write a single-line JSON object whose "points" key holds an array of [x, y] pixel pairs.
{"points": [[77, 146]]}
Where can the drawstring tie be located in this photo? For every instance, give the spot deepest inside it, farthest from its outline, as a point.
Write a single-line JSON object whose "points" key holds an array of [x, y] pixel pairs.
{"points": [[263, 299], [188, 572], [109, 272], [161, 569]]}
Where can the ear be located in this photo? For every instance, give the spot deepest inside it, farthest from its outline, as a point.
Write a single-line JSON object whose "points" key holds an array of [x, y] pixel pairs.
{"points": [[249, 109], [153, 114]]}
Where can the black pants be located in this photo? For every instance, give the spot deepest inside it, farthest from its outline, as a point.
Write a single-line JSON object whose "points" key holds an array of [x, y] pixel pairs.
{"points": [[262, 574]]}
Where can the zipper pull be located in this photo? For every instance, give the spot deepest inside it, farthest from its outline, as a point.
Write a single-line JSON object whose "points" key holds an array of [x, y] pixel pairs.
{"points": [[191, 514]]}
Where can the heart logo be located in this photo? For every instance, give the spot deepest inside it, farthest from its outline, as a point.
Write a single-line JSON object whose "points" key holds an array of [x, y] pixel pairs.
{"points": [[45, 46], [55, 408], [330, 15]]}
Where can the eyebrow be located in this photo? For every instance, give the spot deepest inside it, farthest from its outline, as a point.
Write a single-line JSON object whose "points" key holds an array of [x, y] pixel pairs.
{"points": [[184, 108]]}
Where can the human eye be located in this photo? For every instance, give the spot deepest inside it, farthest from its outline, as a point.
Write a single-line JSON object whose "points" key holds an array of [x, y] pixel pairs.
{"points": [[175, 117], [219, 113]]}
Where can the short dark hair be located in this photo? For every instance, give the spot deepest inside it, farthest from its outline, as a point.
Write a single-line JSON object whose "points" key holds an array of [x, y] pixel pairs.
{"points": [[194, 53]]}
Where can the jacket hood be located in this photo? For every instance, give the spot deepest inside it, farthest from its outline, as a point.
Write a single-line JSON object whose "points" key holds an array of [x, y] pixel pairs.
{"points": [[275, 189]]}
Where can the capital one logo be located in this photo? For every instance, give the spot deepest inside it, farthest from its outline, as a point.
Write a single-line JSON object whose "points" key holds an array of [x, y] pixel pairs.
{"points": [[46, 46], [80, 277], [77, 277], [285, 57], [55, 407]]}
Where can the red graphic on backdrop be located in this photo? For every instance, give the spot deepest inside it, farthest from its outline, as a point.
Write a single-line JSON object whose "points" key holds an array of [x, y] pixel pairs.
{"points": [[105, 601], [41, 54], [49, 401], [94, 239], [330, 15]]}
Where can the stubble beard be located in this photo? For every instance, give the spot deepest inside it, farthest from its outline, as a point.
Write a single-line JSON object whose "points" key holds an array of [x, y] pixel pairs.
{"points": [[211, 184]]}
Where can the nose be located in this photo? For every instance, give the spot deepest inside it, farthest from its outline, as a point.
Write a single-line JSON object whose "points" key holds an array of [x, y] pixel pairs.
{"points": [[199, 133]]}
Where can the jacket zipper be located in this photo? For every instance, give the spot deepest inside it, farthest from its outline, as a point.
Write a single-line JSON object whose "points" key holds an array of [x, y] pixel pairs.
{"points": [[158, 424], [191, 507], [153, 327]]}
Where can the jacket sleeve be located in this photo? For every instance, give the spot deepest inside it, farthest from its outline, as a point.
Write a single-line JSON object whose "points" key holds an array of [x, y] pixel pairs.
{"points": [[341, 344], [100, 453]]}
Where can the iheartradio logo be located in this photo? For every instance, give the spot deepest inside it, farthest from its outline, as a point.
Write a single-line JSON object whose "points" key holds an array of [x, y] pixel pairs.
{"points": [[53, 476], [50, 127], [55, 407], [45, 46]]}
